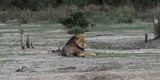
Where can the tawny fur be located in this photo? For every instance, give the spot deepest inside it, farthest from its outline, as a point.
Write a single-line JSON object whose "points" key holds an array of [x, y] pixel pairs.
{"points": [[75, 46]]}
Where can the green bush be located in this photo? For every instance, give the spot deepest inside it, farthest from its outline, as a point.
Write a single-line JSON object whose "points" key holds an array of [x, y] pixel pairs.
{"points": [[77, 22], [76, 29]]}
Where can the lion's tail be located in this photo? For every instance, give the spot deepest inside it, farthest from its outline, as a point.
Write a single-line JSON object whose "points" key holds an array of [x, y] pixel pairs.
{"points": [[55, 51]]}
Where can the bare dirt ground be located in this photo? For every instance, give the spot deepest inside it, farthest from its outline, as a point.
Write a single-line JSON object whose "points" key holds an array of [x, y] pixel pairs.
{"points": [[119, 56], [43, 66]]}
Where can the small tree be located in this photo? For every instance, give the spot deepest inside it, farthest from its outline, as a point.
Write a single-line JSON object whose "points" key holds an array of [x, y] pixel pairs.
{"points": [[76, 22], [22, 38]]}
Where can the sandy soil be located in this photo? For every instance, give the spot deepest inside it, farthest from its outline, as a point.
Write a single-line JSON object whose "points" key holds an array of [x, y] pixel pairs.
{"points": [[56, 67]]}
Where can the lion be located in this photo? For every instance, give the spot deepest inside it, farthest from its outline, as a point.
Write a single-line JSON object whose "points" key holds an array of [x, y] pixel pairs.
{"points": [[75, 46]]}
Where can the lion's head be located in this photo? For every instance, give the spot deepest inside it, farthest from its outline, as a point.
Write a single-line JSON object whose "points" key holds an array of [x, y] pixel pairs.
{"points": [[78, 39]]}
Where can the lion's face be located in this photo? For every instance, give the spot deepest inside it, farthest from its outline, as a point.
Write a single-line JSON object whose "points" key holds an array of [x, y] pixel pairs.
{"points": [[79, 40]]}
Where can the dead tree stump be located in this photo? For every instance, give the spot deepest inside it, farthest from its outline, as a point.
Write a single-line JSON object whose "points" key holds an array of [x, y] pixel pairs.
{"points": [[146, 38], [28, 45], [22, 39], [32, 45]]}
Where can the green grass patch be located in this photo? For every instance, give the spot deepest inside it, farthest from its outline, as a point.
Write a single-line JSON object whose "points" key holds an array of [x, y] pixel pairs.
{"points": [[105, 55], [4, 55], [120, 27], [97, 45], [6, 60], [7, 45], [10, 25], [42, 27], [32, 27], [109, 46]]}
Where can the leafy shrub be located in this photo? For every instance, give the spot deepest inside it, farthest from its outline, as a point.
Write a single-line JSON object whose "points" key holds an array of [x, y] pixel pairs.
{"points": [[77, 22], [76, 29]]}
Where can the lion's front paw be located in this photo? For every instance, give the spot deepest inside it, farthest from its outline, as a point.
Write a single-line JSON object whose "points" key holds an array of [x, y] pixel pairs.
{"points": [[90, 53]]}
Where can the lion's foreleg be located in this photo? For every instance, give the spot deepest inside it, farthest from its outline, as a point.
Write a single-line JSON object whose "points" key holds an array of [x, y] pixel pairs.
{"points": [[84, 54], [90, 53]]}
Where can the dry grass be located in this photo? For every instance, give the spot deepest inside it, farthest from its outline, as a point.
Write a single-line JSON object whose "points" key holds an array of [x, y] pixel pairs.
{"points": [[33, 16]]}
